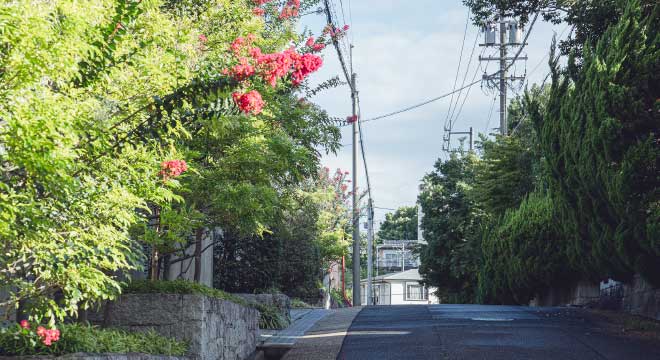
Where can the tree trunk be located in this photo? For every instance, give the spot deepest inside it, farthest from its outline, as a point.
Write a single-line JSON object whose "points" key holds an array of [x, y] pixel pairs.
{"points": [[198, 254]]}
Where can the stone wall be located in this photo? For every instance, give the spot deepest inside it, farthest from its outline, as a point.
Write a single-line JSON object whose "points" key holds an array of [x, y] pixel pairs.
{"points": [[280, 301], [215, 329], [640, 298], [84, 356]]}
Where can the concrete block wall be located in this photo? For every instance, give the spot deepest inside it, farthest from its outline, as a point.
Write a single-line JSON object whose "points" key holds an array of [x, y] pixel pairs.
{"points": [[215, 329]]}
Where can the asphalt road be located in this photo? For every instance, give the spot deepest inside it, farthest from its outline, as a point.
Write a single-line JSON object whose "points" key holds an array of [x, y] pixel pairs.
{"points": [[486, 332]]}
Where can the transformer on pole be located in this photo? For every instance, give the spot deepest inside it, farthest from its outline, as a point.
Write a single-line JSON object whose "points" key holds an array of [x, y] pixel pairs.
{"points": [[510, 35]]}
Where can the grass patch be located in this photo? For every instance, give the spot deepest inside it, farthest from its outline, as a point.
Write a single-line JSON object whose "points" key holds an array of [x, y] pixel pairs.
{"points": [[299, 304], [90, 339], [270, 317]]}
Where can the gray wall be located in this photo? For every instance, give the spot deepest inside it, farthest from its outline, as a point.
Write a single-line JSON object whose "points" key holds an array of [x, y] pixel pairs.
{"points": [[640, 298]]}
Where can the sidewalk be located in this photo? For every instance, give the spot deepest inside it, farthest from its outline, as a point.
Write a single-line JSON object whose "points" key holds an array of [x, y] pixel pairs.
{"points": [[323, 341]]}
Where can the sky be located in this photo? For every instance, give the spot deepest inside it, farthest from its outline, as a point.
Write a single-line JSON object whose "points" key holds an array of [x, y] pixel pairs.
{"points": [[405, 53]]}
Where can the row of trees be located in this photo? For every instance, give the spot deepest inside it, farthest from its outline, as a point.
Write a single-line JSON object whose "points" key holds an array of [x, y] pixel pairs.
{"points": [[130, 125], [573, 193]]}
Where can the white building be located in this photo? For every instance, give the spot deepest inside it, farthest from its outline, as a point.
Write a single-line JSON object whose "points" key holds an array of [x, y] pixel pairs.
{"points": [[402, 288]]}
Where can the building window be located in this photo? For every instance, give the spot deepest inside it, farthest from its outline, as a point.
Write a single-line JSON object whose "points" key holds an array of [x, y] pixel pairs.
{"points": [[416, 292]]}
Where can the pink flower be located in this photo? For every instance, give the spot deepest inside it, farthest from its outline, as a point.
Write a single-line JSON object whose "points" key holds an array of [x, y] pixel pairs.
{"points": [[290, 9], [242, 70], [261, 2], [171, 168], [54, 334], [48, 336], [250, 102], [310, 41], [202, 38], [346, 27], [25, 324], [318, 47], [237, 45], [41, 331], [258, 11]]}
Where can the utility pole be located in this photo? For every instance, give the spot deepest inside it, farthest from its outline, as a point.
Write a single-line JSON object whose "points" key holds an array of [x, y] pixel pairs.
{"points": [[357, 300], [503, 126], [510, 27], [370, 244], [470, 133]]}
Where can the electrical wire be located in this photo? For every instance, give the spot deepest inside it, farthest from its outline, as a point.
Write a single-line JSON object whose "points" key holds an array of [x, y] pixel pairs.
{"points": [[546, 55], [465, 87], [458, 69], [452, 119], [460, 110], [490, 114], [421, 104]]}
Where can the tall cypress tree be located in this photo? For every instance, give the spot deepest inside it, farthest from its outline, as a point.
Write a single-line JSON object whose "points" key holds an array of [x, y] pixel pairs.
{"points": [[600, 139]]}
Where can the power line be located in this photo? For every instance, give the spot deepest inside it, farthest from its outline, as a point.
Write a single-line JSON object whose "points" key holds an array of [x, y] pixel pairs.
{"points": [[546, 55], [490, 114], [467, 69], [460, 110], [458, 69], [422, 103]]}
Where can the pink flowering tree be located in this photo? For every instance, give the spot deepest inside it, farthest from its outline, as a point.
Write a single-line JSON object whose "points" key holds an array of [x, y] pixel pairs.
{"points": [[131, 108]]}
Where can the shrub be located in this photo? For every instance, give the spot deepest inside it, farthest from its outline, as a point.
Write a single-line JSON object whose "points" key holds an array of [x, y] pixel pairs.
{"points": [[270, 317], [15, 340], [299, 304]]}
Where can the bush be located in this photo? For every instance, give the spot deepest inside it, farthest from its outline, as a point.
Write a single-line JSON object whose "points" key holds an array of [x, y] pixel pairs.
{"points": [[523, 254], [299, 304], [270, 317], [73, 338]]}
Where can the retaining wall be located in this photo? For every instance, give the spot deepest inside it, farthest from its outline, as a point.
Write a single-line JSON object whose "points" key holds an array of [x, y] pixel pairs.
{"points": [[583, 293], [640, 298], [215, 329], [84, 356], [280, 301]]}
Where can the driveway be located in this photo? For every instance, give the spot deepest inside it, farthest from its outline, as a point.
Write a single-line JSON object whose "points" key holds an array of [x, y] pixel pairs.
{"points": [[486, 332]]}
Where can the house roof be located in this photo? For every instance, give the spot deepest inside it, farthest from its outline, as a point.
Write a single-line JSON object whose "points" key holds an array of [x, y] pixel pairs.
{"points": [[412, 274]]}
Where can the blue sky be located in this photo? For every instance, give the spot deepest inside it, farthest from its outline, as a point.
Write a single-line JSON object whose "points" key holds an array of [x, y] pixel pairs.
{"points": [[407, 52]]}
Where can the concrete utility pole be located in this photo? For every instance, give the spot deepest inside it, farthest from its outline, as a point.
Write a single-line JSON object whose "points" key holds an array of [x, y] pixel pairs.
{"points": [[505, 63], [357, 300], [420, 215], [370, 244], [503, 125]]}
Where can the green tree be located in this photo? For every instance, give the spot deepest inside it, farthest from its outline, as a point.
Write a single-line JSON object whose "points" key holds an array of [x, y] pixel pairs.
{"points": [[524, 254], [451, 226], [312, 231], [599, 138], [400, 225], [589, 18], [95, 97]]}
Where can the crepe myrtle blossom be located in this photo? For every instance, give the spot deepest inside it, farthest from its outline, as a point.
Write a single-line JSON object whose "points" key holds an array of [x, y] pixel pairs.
{"points": [[249, 102], [172, 168], [290, 9]]}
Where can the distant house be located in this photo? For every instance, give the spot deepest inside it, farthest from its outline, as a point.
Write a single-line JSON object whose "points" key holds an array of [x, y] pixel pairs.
{"points": [[402, 288], [396, 256]]}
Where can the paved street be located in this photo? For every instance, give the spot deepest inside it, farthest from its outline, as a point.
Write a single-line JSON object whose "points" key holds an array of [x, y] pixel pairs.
{"points": [[486, 332]]}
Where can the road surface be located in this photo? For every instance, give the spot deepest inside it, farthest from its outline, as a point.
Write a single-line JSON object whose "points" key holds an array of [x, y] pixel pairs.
{"points": [[486, 332]]}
